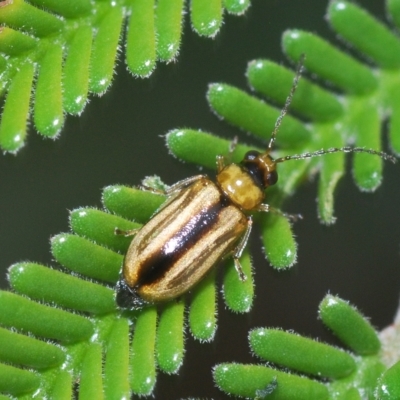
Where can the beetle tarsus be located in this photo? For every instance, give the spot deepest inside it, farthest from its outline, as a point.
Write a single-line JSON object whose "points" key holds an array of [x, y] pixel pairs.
{"points": [[146, 188], [268, 208], [121, 232], [233, 144], [292, 217], [239, 270]]}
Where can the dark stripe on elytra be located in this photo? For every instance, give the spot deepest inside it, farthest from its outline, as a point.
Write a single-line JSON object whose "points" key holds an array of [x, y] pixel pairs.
{"points": [[187, 199], [223, 239], [157, 266]]}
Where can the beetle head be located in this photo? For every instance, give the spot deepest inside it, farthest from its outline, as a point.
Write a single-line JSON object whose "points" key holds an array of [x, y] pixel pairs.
{"points": [[127, 297], [261, 167]]}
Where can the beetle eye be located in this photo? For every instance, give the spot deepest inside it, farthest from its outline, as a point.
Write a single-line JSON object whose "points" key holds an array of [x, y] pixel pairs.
{"points": [[271, 178], [251, 155]]}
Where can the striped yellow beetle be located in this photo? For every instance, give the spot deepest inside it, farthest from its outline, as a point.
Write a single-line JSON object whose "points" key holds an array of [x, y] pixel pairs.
{"points": [[203, 221]]}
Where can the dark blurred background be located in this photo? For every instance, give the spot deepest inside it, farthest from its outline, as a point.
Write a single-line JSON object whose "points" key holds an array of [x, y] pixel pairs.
{"points": [[118, 140]]}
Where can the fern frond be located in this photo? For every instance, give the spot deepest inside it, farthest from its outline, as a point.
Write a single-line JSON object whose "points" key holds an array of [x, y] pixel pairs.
{"points": [[350, 374], [57, 52]]}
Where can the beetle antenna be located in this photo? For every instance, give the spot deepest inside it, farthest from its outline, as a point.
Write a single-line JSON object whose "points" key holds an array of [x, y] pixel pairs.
{"points": [[287, 102], [346, 149]]}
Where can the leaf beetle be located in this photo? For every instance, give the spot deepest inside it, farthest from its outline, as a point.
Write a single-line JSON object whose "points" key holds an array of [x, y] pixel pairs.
{"points": [[202, 222]]}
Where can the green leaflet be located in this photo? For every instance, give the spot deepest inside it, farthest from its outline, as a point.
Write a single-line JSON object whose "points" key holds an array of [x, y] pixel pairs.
{"points": [[349, 325], [76, 70], [169, 28], [41, 355], [116, 365], [16, 110], [301, 354], [17, 381], [64, 290], [104, 49], [389, 383], [206, 16], [202, 316], [142, 364], [377, 41], [170, 337], [91, 382], [141, 39], [48, 113]]}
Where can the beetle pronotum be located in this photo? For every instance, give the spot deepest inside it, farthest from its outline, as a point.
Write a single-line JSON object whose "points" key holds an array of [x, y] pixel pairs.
{"points": [[203, 221]]}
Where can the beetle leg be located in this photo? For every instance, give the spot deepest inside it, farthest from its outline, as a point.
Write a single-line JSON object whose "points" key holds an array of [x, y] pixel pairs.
{"points": [[150, 189], [237, 253], [221, 159], [131, 232], [268, 208], [183, 183], [232, 145], [175, 187], [173, 190], [239, 269], [220, 163]]}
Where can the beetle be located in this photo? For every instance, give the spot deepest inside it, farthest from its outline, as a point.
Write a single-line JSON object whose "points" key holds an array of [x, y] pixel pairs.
{"points": [[202, 222]]}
